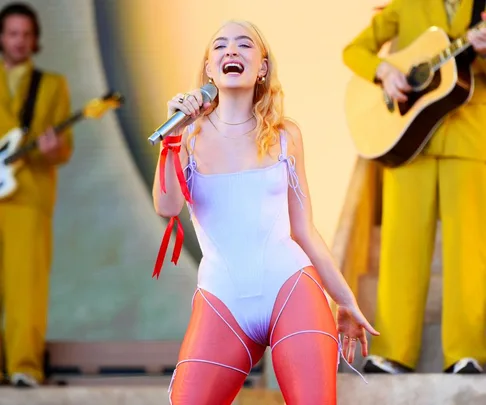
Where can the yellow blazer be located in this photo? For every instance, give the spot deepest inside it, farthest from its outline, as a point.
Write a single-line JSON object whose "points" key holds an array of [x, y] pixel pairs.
{"points": [[463, 133], [37, 178]]}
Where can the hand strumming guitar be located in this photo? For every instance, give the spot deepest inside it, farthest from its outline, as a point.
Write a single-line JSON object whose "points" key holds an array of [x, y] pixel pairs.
{"points": [[394, 81]]}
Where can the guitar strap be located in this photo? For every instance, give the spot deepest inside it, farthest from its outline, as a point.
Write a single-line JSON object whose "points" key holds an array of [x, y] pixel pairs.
{"points": [[478, 8], [27, 113]]}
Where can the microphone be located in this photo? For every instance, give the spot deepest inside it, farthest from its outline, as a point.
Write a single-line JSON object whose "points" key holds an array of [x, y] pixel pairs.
{"points": [[209, 93]]}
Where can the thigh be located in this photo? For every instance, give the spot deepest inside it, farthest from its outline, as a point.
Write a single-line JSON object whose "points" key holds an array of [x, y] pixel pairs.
{"points": [[26, 253], [462, 207], [216, 356], [463, 213], [304, 342], [409, 218]]}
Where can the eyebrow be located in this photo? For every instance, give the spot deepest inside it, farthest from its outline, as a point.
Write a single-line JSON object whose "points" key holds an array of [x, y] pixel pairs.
{"points": [[237, 38]]}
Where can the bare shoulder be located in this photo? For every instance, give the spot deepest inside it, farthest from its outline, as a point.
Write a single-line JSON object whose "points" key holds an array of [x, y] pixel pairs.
{"points": [[293, 133]]}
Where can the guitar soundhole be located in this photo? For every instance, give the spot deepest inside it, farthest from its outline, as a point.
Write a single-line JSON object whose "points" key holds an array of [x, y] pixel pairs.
{"points": [[419, 76], [414, 96]]}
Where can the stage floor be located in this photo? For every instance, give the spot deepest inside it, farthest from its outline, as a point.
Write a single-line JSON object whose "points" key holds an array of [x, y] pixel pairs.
{"points": [[416, 389], [117, 396]]}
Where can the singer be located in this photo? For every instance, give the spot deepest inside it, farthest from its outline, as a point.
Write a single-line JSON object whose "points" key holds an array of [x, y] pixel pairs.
{"points": [[265, 267]]}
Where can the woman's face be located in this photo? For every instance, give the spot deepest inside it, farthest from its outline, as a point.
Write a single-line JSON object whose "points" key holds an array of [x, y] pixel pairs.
{"points": [[235, 59]]}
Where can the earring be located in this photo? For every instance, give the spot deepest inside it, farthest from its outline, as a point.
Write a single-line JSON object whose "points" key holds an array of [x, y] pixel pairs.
{"points": [[261, 79], [211, 81]]}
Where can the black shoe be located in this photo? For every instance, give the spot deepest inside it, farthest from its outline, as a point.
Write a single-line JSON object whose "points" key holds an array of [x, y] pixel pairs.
{"points": [[380, 365], [466, 365]]}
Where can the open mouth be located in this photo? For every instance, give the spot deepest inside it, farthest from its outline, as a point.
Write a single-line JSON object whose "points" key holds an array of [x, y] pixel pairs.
{"points": [[233, 67]]}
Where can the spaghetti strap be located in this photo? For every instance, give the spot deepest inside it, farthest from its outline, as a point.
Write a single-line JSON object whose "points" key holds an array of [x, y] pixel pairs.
{"points": [[293, 178]]}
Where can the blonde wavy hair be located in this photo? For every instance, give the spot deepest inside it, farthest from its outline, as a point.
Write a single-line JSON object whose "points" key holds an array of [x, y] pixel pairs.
{"points": [[267, 98]]}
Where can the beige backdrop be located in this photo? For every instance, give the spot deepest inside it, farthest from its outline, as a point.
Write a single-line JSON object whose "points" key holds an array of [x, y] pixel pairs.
{"points": [[307, 38]]}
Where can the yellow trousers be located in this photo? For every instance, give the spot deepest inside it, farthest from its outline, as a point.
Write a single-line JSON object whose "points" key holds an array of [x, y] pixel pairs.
{"points": [[25, 259], [414, 197]]}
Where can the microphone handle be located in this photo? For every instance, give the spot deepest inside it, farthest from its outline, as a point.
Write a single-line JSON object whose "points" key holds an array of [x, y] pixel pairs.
{"points": [[171, 125]]}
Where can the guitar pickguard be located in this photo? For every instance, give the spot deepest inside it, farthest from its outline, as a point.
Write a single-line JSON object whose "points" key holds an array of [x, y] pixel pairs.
{"points": [[9, 144], [415, 96]]}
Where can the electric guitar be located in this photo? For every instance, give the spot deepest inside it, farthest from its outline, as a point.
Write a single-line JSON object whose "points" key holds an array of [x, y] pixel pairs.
{"points": [[12, 149], [393, 133]]}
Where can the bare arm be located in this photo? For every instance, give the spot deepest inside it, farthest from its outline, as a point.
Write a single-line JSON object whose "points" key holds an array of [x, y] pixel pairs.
{"points": [[361, 54], [169, 204], [305, 233], [350, 321]]}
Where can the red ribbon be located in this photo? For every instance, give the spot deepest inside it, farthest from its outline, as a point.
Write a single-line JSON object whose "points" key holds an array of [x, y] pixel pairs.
{"points": [[177, 165], [168, 144], [165, 243]]}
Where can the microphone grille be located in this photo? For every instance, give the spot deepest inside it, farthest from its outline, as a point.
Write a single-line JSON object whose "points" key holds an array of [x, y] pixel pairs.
{"points": [[209, 92]]}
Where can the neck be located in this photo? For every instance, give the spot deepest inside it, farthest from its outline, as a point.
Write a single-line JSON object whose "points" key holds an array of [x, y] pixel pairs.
{"points": [[235, 107], [10, 63]]}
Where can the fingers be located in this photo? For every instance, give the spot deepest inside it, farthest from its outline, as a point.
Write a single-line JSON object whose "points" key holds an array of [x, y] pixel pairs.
{"points": [[364, 345], [189, 103], [396, 86], [349, 348], [478, 40], [197, 97], [371, 330], [178, 103], [398, 89], [402, 83], [363, 322], [194, 104], [345, 343], [48, 141]]}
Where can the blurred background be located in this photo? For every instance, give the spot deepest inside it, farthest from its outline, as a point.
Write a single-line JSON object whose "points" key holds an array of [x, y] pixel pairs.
{"points": [[106, 231], [105, 310]]}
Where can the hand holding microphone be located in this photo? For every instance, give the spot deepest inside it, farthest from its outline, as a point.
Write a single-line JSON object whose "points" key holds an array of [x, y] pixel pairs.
{"points": [[184, 109]]}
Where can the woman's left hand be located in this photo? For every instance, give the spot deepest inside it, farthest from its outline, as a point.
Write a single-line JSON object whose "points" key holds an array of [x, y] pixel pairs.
{"points": [[353, 325]]}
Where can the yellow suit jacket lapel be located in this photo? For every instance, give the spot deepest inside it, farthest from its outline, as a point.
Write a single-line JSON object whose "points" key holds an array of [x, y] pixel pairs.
{"points": [[437, 14], [462, 19], [5, 98], [21, 94]]}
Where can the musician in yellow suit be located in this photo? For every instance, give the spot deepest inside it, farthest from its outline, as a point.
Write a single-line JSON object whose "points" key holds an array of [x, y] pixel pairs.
{"points": [[447, 181], [26, 215]]}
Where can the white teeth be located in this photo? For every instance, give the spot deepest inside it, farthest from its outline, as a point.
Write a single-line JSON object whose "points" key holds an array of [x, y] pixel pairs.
{"points": [[233, 67]]}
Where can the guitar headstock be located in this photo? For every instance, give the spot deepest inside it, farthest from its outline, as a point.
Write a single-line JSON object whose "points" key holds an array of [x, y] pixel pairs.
{"points": [[99, 106]]}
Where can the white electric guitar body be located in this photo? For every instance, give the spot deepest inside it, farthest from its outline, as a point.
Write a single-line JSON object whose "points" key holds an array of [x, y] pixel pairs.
{"points": [[13, 149], [9, 144]]}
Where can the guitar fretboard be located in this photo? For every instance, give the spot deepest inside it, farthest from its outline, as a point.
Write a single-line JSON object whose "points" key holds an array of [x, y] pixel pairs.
{"points": [[33, 144], [70, 121], [458, 46]]}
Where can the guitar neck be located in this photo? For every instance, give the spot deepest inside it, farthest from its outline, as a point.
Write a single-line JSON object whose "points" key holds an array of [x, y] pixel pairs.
{"points": [[457, 46], [33, 144], [69, 122]]}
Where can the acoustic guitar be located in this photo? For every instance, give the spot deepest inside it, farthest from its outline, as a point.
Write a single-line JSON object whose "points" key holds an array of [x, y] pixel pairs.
{"points": [[392, 132]]}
